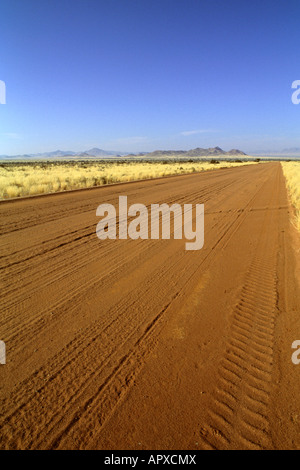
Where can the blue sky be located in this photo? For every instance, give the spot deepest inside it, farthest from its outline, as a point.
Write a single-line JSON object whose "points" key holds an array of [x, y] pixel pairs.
{"points": [[140, 75]]}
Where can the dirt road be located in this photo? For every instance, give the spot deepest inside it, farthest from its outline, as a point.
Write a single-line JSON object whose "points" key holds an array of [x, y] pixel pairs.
{"points": [[140, 344]]}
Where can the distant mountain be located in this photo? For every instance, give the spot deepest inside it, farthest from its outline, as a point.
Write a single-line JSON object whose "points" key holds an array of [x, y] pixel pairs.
{"points": [[287, 153], [56, 153], [197, 152], [235, 152], [293, 150], [100, 153], [94, 152]]}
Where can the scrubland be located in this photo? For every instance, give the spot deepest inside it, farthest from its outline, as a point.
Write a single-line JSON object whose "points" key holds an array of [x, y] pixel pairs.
{"points": [[291, 172], [19, 179]]}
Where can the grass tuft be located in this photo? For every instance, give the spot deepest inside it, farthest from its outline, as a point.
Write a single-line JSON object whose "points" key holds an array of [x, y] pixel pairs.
{"points": [[291, 171]]}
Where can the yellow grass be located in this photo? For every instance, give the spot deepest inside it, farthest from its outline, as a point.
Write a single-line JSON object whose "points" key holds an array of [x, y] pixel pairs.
{"points": [[291, 172], [20, 179]]}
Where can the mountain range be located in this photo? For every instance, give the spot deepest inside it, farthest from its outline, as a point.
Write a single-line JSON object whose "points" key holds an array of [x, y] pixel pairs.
{"points": [[291, 151], [94, 152], [197, 152], [100, 153]]}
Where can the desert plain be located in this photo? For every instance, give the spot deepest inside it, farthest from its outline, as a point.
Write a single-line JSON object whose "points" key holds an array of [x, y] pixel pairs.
{"points": [[140, 344]]}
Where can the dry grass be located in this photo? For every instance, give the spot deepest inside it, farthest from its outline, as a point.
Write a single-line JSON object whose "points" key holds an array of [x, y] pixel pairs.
{"points": [[291, 172], [23, 179]]}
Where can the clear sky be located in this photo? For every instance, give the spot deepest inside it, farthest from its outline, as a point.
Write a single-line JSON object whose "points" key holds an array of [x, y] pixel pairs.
{"points": [[140, 75]]}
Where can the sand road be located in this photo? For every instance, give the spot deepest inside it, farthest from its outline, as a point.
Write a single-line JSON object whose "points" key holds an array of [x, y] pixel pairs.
{"points": [[140, 344]]}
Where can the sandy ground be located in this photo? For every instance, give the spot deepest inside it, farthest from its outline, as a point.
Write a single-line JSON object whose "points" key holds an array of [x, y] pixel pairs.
{"points": [[132, 344]]}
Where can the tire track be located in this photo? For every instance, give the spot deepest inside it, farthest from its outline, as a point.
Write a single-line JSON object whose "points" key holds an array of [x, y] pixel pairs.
{"points": [[241, 402]]}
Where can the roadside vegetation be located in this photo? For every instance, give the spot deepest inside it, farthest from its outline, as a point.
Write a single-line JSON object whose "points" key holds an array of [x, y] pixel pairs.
{"points": [[291, 171], [19, 179]]}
